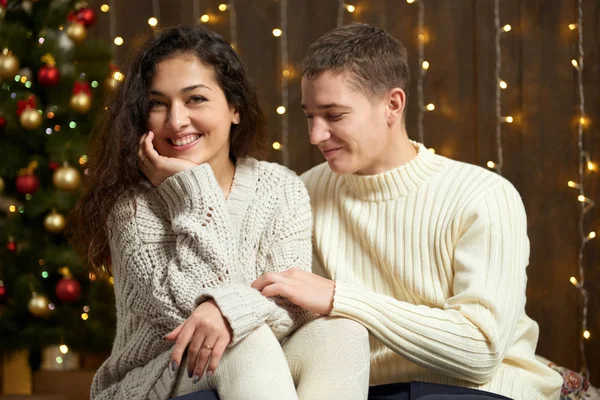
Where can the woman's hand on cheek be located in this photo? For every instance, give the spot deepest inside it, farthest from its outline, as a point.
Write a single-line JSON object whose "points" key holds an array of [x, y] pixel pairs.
{"points": [[156, 167]]}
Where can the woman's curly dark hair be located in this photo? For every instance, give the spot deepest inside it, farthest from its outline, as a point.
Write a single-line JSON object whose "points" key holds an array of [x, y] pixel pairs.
{"points": [[112, 167]]}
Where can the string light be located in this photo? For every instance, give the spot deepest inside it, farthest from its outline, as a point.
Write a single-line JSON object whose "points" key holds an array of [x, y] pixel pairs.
{"points": [[341, 11], [104, 8], [572, 26], [424, 68], [155, 13], [591, 235], [205, 18], [586, 203], [501, 85], [281, 110], [276, 145], [63, 348], [491, 164], [277, 32], [350, 8], [574, 281], [232, 21], [112, 22], [119, 41], [572, 184]]}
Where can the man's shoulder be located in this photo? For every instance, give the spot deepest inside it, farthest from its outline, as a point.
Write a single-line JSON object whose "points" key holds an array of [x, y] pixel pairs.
{"points": [[474, 180]]}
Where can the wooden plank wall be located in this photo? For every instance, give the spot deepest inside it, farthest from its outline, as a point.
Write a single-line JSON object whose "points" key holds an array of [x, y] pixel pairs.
{"points": [[540, 148]]}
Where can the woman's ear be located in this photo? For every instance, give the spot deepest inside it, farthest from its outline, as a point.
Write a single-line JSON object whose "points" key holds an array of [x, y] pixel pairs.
{"points": [[235, 118]]}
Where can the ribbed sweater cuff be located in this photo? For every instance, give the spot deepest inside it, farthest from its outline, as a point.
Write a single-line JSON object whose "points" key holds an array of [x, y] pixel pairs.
{"points": [[237, 307], [347, 299], [188, 190]]}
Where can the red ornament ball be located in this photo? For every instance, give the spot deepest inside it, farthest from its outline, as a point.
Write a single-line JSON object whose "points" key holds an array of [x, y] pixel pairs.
{"points": [[11, 246], [48, 76], [86, 16], [68, 289], [27, 184]]}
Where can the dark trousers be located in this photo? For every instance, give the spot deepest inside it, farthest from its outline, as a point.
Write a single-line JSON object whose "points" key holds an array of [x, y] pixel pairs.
{"points": [[428, 391], [394, 391]]}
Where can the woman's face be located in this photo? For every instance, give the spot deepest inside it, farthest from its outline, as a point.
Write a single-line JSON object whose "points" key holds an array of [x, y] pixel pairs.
{"points": [[189, 114]]}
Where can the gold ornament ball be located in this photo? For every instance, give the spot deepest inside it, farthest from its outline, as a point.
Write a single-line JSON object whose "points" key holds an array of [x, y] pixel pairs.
{"points": [[38, 305], [76, 31], [1, 184], [66, 178], [9, 66], [31, 119], [81, 102], [111, 84], [55, 222]]}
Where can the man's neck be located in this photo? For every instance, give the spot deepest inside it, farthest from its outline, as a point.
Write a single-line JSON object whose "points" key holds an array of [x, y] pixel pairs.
{"points": [[399, 152]]}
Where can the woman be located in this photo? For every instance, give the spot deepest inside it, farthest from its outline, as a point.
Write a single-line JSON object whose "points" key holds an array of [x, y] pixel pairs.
{"points": [[186, 220]]}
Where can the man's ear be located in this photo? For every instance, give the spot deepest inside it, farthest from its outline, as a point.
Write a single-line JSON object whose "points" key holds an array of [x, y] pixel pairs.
{"points": [[396, 102]]}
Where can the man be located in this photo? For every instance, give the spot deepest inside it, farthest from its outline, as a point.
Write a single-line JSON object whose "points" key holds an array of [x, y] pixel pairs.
{"points": [[428, 253]]}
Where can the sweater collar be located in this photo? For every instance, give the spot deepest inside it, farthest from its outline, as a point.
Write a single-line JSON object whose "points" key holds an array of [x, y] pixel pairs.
{"points": [[242, 189], [397, 182]]}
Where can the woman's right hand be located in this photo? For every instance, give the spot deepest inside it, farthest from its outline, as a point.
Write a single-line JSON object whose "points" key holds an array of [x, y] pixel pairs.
{"points": [[206, 334], [156, 167]]}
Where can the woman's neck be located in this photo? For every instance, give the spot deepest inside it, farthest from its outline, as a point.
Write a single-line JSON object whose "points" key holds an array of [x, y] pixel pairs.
{"points": [[224, 171]]}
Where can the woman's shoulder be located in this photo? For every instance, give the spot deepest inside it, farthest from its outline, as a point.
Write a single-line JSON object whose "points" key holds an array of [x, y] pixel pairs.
{"points": [[142, 203], [272, 174], [276, 181]]}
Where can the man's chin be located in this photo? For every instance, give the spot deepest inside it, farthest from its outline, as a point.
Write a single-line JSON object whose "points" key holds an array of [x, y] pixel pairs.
{"points": [[340, 168]]}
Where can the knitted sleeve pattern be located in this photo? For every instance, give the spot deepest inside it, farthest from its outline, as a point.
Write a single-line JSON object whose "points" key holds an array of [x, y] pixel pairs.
{"points": [[290, 246], [161, 272], [283, 207]]}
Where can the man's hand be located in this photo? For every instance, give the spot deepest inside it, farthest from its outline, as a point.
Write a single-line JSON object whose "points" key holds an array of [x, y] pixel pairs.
{"points": [[156, 167], [208, 333], [305, 289]]}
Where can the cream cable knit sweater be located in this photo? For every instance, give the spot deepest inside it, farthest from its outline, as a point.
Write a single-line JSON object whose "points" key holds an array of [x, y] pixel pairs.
{"points": [[431, 258], [185, 244]]}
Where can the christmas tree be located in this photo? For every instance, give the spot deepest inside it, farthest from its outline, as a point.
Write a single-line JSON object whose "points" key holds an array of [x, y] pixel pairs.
{"points": [[53, 86]]}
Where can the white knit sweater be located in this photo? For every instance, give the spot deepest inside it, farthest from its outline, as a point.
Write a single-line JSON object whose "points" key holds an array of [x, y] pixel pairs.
{"points": [[431, 257], [185, 244]]}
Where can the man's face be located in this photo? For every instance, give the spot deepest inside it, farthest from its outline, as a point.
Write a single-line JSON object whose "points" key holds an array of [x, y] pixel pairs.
{"points": [[349, 128]]}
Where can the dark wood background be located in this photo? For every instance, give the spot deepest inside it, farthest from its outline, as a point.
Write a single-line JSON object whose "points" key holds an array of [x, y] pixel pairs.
{"points": [[540, 148]]}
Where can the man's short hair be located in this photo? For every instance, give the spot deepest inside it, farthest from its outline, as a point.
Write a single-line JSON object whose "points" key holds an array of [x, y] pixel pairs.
{"points": [[374, 60]]}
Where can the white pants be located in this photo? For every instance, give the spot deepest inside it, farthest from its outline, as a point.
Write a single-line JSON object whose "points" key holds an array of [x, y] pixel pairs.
{"points": [[327, 358]]}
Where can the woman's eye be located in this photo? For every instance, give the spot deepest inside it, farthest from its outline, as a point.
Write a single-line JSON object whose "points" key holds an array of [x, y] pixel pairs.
{"points": [[197, 99], [156, 103]]}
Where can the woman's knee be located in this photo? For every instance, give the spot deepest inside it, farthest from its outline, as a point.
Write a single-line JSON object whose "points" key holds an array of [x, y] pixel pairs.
{"points": [[338, 328]]}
